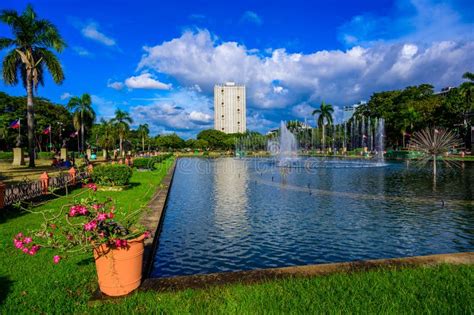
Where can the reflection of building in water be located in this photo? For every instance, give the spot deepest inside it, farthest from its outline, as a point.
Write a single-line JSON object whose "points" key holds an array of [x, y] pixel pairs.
{"points": [[230, 192]]}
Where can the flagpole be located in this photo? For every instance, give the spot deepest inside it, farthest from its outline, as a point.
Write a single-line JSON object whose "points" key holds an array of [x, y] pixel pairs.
{"points": [[50, 141]]}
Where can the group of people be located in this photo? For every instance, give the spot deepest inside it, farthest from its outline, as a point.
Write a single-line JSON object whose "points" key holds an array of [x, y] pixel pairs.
{"points": [[61, 163]]}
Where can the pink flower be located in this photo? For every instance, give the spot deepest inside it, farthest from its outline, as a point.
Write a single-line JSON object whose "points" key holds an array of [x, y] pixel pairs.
{"points": [[121, 243], [19, 235], [90, 226], [147, 234], [18, 244], [25, 250], [92, 186], [56, 259], [97, 206], [110, 215], [27, 240], [101, 216], [33, 250], [82, 210]]}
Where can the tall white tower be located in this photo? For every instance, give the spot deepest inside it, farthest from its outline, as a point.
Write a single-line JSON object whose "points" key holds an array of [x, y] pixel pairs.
{"points": [[230, 108]]}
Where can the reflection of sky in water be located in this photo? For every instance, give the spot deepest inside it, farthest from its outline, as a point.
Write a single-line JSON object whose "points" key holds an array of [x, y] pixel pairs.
{"points": [[228, 214]]}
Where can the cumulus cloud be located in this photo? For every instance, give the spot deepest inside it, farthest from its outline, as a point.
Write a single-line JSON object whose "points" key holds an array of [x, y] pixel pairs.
{"points": [[341, 77], [115, 85], [185, 110], [91, 31], [66, 95], [104, 108], [251, 17], [146, 81], [409, 20]]}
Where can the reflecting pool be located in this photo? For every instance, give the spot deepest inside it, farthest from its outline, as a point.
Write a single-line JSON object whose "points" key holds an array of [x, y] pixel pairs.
{"points": [[239, 214]]}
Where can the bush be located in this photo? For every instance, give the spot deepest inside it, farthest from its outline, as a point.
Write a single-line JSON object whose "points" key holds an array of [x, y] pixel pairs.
{"points": [[162, 157], [144, 163], [6, 155], [45, 155], [112, 175]]}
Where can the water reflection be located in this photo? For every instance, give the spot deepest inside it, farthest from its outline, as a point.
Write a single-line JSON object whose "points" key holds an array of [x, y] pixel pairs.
{"points": [[228, 214]]}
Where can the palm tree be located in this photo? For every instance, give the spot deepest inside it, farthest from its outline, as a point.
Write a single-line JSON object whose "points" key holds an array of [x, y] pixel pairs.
{"points": [[143, 131], [325, 116], [121, 120], [82, 106], [29, 55], [107, 136]]}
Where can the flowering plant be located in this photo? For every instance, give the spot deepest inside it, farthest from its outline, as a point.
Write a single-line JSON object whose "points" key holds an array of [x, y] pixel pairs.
{"points": [[85, 224]]}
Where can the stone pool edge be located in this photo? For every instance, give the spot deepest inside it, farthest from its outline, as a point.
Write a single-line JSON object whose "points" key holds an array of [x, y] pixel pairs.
{"points": [[262, 275], [153, 219]]}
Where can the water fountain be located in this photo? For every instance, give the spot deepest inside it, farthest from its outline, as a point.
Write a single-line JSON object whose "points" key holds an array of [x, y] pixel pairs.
{"points": [[284, 148]]}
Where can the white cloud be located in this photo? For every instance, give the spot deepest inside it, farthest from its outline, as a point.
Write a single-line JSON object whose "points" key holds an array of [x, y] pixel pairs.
{"points": [[66, 95], [340, 77], [115, 85], [91, 31], [423, 21], [200, 117], [146, 81], [252, 17], [184, 110], [81, 51]]}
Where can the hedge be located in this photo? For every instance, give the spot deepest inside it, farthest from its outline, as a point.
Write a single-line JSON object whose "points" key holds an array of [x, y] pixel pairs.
{"points": [[6, 155], [112, 174], [144, 163], [45, 155]]}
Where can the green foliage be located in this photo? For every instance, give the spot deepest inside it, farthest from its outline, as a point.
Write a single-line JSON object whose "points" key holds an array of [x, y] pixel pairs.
{"points": [[215, 138], [144, 163], [167, 142], [6, 155], [112, 175], [45, 155]]}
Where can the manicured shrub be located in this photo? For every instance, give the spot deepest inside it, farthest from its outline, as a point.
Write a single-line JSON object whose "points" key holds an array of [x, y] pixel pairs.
{"points": [[144, 163], [112, 175], [162, 157], [45, 155], [6, 155]]}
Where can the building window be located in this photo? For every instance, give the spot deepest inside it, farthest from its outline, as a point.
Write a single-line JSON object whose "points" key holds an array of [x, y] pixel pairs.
{"points": [[222, 91], [222, 103], [238, 110], [222, 129], [222, 116], [238, 122]]}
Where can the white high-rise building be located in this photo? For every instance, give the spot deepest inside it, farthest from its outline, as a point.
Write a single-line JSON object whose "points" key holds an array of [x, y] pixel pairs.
{"points": [[230, 108]]}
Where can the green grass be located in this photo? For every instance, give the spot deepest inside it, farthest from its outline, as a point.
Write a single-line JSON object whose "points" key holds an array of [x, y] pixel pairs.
{"points": [[36, 285]]}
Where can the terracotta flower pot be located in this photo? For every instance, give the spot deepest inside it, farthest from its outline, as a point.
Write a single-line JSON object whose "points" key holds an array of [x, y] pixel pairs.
{"points": [[119, 270]]}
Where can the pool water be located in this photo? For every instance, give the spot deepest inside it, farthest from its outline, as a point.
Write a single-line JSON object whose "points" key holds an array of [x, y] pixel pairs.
{"points": [[239, 214]]}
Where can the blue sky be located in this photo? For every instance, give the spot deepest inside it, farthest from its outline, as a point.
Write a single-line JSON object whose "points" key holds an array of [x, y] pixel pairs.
{"points": [[160, 60]]}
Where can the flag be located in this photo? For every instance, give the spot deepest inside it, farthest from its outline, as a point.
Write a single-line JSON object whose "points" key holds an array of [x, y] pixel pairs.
{"points": [[73, 135], [15, 124], [47, 130]]}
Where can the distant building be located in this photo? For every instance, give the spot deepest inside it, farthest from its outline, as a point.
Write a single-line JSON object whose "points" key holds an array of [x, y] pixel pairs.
{"points": [[230, 108], [348, 111]]}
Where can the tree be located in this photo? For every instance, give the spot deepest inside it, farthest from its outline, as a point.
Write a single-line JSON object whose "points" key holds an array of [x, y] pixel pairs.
{"points": [[215, 138], [82, 107], [172, 141], [30, 54], [143, 131], [325, 115], [106, 135], [122, 120]]}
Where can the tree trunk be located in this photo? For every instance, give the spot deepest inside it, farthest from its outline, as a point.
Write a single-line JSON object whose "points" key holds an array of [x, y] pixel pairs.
{"points": [[121, 147], [434, 165], [82, 130], [30, 118], [323, 140], [143, 144]]}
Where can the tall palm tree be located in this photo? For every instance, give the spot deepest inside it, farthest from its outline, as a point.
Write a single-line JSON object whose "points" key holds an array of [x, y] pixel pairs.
{"points": [[325, 117], [30, 53], [82, 106], [107, 136], [143, 131], [122, 120]]}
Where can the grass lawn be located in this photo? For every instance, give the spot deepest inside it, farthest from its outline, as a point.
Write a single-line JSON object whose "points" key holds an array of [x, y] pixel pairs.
{"points": [[36, 285]]}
